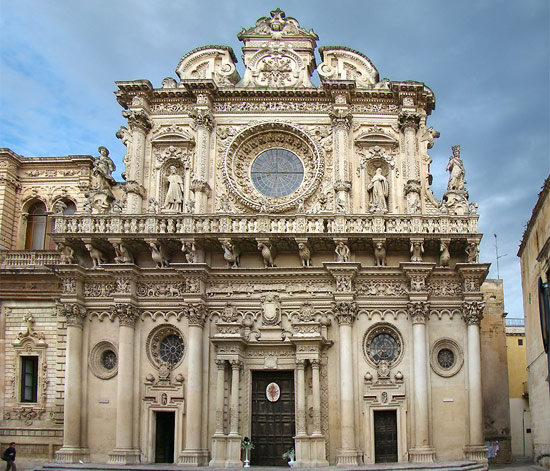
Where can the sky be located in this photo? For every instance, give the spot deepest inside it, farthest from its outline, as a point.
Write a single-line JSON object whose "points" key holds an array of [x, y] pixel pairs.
{"points": [[487, 61]]}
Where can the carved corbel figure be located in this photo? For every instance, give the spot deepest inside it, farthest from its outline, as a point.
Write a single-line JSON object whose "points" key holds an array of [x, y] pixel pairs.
{"points": [[66, 253], [231, 254], [305, 254], [267, 252], [445, 256], [472, 252], [189, 250], [380, 254], [158, 255], [97, 256], [342, 252], [417, 249], [123, 255]]}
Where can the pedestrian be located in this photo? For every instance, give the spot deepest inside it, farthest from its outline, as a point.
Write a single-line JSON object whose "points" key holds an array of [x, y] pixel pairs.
{"points": [[9, 457]]}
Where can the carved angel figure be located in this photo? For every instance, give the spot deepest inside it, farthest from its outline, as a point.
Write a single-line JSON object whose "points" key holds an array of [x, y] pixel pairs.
{"points": [[456, 169], [379, 191], [342, 252], [174, 196]]}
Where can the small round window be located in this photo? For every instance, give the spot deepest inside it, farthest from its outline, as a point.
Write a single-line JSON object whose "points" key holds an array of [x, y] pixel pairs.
{"points": [[277, 172], [446, 358], [103, 360]]}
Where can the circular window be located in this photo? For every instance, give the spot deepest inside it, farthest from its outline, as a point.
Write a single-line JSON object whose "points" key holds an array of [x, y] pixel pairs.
{"points": [[165, 344], [383, 342], [171, 349], [446, 357], [277, 172], [103, 360]]}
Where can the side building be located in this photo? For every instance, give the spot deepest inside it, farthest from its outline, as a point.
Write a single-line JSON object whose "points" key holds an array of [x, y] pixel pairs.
{"points": [[534, 253], [274, 266]]}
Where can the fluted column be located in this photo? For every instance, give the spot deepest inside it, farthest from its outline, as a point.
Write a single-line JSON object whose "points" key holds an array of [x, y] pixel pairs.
{"points": [[194, 455], [300, 398], [345, 313], [124, 453], [316, 392], [72, 450], [422, 451], [235, 370], [472, 313], [203, 123], [410, 122], [140, 124], [341, 119]]}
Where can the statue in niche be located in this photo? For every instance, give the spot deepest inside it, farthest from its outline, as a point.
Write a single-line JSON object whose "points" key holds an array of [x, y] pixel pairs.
{"points": [[174, 196], [342, 252], [378, 192], [103, 167], [456, 169]]}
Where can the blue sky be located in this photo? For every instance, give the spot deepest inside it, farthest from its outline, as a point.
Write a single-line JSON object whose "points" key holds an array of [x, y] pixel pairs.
{"points": [[487, 62]]}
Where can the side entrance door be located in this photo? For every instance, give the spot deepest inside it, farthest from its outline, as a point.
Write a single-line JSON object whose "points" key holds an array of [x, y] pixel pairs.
{"points": [[272, 420], [385, 436], [164, 443]]}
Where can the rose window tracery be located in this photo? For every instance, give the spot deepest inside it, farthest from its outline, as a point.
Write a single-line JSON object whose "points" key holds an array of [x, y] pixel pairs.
{"points": [[383, 343], [445, 358], [165, 344], [277, 172], [171, 349], [109, 360]]}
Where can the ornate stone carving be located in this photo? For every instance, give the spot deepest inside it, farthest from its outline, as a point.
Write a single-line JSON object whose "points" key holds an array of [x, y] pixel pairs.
{"points": [[74, 312], [379, 191], [162, 289], [472, 252], [342, 252], [381, 288], [342, 63], [123, 255], [444, 288], [345, 312], [202, 117], [383, 347], [96, 255], [472, 312], [268, 254], [215, 63], [305, 254], [417, 249], [409, 119], [138, 119], [231, 254], [445, 256], [380, 254], [99, 289], [127, 314], [29, 332], [196, 314], [158, 255], [341, 119], [69, 286], [271, 309], [229, 313], [419, 311]]}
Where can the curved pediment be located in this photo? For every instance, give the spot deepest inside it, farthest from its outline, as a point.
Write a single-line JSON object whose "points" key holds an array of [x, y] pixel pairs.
{"points": [[215, 63], [342, 63], [376, 136]]}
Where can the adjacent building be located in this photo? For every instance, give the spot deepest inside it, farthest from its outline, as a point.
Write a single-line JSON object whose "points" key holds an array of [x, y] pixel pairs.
{"points": [[274, 266]]}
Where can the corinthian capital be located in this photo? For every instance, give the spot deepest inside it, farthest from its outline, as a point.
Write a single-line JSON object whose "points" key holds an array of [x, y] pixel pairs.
{"points": [[472, 312], [127, 314], [409, 119], [195, 313], [341, 119], [202, 118], [138, 119], [345, 312], [419, 311], [74, 312]]}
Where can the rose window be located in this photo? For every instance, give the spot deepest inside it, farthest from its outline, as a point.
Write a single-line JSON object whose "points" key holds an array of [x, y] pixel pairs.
{"points": [[277, 172], [383, 343], [109, 360], [445, 358], [171, 349], [383, 347]]}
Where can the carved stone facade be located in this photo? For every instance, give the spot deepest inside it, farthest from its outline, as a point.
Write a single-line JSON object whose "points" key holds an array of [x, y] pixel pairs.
{"points": [[265, 224]]}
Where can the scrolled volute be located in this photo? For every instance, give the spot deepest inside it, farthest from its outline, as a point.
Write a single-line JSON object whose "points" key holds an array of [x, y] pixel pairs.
{"points": [[74, 312]]}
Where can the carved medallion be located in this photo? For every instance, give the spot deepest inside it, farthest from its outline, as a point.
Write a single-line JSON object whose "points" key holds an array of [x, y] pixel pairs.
{"points": [[273, 392]]}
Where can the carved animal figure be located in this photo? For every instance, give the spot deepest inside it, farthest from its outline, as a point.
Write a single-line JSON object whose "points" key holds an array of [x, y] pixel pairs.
{"points": [[231, 254], [267, 254], [445, 256], [158, 255], [380, 254], [417, 249], [67, 253], [97, 256], [123, 255], [305, 254]]}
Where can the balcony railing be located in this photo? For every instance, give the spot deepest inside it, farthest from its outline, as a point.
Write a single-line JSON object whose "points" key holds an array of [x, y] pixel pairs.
{"points": [[515, 322], [266, 224], [27, 258]]}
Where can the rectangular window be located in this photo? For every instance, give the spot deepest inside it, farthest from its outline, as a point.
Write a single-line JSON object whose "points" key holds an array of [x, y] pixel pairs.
{"points": [[520, 341], [29, 378]]}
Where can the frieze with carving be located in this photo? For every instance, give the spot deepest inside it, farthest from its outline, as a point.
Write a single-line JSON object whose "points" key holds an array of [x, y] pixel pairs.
{"points": [[381, 288], [444, 288], [99, 289]]}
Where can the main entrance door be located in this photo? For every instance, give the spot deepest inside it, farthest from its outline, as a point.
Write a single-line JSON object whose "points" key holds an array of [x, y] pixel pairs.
{"points": [[164, 443], [273, 417], [385, 436]]}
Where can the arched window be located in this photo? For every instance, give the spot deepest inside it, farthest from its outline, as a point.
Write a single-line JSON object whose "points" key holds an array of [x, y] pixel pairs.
{"points": [[68, 208], [36, 226]]}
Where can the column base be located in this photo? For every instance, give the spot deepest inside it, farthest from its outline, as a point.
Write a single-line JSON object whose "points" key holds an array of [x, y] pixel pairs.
{"points": [[348, 457], [124, 456], [422, 454], [318, 452], [233, 452], [476, 453], [303, 452], [72, 455], [219, 451], [193, 457]]}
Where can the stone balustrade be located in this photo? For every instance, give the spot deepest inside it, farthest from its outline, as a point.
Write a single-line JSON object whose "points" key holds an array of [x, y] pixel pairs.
{"points": [[27, 258], [261, 224]]}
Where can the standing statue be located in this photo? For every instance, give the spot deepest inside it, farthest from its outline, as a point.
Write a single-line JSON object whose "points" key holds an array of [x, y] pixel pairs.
{"points": [[103, 167], [379, 191], [342, 252], [456, 169], [472, 252], [174, 195], [267, 254]]}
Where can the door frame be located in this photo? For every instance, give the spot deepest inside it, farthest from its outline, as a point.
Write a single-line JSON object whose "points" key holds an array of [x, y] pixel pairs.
{"points": [[151, 435], [380, 409], [400, 414]]}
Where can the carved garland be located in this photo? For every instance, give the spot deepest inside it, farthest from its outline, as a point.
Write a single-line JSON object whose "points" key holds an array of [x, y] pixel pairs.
{"points": [[247, 145]]}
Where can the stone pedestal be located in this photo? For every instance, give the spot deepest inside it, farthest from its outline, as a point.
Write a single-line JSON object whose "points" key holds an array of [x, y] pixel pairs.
{"points": [[303, 452], [318, 452], [233, 452], [193, 458], [219, 450]]}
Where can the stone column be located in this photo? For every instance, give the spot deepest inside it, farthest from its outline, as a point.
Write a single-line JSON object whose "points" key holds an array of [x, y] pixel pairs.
{"points": [[472, 313], [318, 444], [140, 124], [124, 452], [204, 123], [194, 455], [422, 452], [219, 438], [341, 119], [347, 455], [73, 450], [409, 122], [234, 439]]}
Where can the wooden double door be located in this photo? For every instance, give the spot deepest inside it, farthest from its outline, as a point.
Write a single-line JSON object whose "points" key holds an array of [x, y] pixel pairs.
{"points": [[273, 426], [385, 436]]}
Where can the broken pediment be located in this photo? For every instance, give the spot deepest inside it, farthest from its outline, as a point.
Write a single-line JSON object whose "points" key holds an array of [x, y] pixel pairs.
{"points": [[216, 63], [342, 63]]}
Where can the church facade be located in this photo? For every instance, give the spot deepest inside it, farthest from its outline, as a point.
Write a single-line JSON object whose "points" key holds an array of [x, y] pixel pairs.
{"points": [[274, 266]]}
